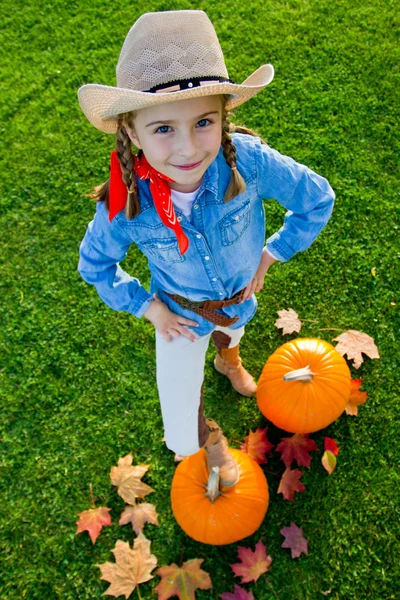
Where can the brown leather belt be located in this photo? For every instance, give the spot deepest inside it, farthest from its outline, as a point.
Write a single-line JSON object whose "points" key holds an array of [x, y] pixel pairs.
{"points": [[207, 308]]}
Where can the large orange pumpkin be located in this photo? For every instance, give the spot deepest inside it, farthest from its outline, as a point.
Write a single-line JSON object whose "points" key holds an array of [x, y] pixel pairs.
{"points": [[237, 512], [304, 386]]}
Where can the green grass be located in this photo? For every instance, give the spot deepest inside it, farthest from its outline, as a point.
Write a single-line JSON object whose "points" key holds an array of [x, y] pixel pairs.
{"points": [[78, 380]]}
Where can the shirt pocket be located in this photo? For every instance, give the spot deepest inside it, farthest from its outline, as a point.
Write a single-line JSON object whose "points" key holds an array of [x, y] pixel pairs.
{"points": [[164, 249], [234, 224]]}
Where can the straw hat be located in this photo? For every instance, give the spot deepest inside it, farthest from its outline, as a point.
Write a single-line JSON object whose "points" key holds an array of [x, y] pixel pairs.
{"points": [[167, 56]]}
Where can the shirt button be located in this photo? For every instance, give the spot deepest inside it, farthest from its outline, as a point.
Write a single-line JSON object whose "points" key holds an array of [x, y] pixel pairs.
{"points": [[220, 293], [214, 279], [158, 245], [196, 206], [179, 219], [207, 258], [236, 218], [198, 236]]}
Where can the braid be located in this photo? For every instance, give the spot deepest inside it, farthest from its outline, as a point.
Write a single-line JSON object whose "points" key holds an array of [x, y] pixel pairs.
{"points": [[125, 157]]}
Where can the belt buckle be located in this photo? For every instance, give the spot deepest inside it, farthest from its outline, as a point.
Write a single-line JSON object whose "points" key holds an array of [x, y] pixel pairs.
{"points": [[190, 304]]}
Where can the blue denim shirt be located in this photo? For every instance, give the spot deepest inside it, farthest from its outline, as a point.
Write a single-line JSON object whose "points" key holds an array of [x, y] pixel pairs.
{"points": [[226, 240]]}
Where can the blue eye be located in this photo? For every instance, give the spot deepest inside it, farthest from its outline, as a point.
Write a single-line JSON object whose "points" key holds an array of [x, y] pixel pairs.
{"points": [[162, 127], [202, 123]]}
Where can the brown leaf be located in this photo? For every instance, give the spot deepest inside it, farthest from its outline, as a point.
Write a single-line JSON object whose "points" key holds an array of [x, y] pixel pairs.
{"points": [[131, 567], [353, 343], [289, 484], [127, 478], [182, 582], [138, 515], [288, 320], [294, 540], [256, 445], [296, 448], [253, 565], [93, 520], [356, 398]]}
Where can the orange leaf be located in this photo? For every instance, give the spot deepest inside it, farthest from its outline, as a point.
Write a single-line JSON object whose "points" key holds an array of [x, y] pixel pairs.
{"points": [[127, 478], [253, 565], [289, 484], [356, 398], [93, 520], [182, 582], [132, 566], [296, 448], [256, 445], [329, 461], [139, 515], [288, 321], [353, 343]]}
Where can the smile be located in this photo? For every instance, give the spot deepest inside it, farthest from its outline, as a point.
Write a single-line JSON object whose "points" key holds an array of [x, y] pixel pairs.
{"points": [[188, 167]]}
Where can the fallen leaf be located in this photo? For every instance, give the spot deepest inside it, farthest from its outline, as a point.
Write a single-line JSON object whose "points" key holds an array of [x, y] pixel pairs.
{"points": [[253, 565], [294, 540], [331, 445], [296, 448], [256, 445], [373, 271], [132, 566], [289, 484], [356, 398], [93, 520], [329, 461], [182, 582], [238, 594], [138, 515], [288, 320], [353, 343], [127, 478]]}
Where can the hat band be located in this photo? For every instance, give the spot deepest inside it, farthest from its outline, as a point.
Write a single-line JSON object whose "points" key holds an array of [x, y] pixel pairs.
{"points": [[187, 84]]}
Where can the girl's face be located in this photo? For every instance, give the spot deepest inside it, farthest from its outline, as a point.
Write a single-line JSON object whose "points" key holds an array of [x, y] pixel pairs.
{"points": [[180, 133]]}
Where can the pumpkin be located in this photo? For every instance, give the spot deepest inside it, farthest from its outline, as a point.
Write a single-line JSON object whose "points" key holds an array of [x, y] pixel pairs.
{"points": [[218, 515], [304, 386]]}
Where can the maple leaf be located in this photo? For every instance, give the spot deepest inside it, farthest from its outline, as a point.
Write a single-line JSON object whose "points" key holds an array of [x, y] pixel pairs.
{"points": [[288, 321], [253, 565], [296, 448], [329, 461], [93, 520], [331, 445], [353, 343], [256, 445], [132, 566], [356, 398], [127, 478], [138, 515], [289, 484], [182, 581], [238, 594], [294, 540]]}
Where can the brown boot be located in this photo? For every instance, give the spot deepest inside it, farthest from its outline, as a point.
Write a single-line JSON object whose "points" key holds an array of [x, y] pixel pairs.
{"points": [[218, 455], [229, 363]]}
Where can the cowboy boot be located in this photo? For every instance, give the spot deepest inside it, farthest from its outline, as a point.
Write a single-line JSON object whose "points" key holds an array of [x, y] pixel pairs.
{"points": [[218, 455], [229, 363]]}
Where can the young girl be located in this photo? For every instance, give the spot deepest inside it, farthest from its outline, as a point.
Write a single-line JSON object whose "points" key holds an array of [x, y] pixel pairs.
{"points": [[191, 200]]}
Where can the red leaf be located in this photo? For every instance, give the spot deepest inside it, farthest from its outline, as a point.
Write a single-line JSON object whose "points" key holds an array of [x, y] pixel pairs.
{"points": [[93, 520], [356, 398], [253, 564], [257, 445], [331, 445], [294, 540], [289, 484], [296, 448], [239, 594], [329, 461]]}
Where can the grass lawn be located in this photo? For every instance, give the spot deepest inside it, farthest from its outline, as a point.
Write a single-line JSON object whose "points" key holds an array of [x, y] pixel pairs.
{"points": [[77, 380]]}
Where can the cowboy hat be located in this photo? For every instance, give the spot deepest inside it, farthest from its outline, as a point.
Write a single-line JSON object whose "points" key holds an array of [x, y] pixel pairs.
{"points": [[167, 56]]}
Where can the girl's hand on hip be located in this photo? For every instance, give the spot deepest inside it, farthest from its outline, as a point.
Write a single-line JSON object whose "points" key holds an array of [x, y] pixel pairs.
{"points": [[169, 324], [256, 284]]}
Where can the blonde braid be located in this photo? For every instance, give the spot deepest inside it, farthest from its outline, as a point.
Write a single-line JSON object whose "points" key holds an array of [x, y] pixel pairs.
{"points": [[125, 157], [236, 184]]}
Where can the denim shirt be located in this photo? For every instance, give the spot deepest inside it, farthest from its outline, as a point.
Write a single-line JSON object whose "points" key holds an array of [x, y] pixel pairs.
{"points": [[226, 239]]}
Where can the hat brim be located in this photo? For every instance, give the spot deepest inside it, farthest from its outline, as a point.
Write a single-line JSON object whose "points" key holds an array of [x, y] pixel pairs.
{"points": [[101, 104]]}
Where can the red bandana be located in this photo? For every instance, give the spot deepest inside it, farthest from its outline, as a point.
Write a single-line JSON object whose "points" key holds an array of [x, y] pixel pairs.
{"points": [[159, 189]]}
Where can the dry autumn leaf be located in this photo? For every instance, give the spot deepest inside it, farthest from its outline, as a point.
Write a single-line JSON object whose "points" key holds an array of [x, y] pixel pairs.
{"points": [[288, 321], [356, 398], [256, 445], [331, 445], [354, 343], [132, 566], [329, 461], [238, 594], [138, 515], [93, 520], [289, 483], [296, 448], [253, 565], [182, 581], [127, 478], [294, 540]]}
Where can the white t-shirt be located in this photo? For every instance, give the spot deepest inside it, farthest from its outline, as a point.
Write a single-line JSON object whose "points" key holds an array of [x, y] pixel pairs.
{"points": [[184, 201]]}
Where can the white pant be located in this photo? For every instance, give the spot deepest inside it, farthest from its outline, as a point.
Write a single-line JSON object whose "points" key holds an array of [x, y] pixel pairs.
{"points": [[180, 374]]}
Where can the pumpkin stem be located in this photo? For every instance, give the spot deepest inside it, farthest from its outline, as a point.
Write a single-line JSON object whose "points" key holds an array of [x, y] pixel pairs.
{"points": [[213, 485], [304, 374]]}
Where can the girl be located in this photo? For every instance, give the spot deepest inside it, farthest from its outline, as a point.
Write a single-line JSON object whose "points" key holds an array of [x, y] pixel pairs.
{"points": [[191, 200]]}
